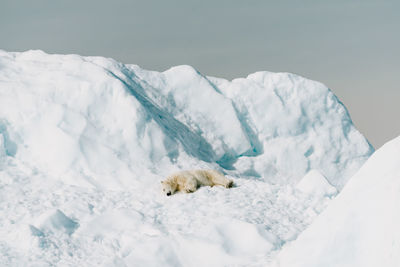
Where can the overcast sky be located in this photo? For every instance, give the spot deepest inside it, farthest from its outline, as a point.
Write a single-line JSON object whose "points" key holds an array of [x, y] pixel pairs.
{"points": [[351, 46]]}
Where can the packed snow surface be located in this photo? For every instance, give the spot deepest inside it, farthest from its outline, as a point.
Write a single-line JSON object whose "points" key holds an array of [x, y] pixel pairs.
{"points": [[315, 183], [85, 142], [361, 226]]}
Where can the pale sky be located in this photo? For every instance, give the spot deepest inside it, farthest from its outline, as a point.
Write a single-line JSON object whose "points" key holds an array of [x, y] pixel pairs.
{"points": [[351, 46]]}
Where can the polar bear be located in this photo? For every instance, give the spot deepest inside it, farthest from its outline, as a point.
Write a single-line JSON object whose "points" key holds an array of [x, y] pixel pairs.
{"points": [[189, 181]]}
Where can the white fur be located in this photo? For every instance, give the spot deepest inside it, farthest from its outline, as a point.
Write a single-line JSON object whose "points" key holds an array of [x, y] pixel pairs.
{"points": [[189, 181]]}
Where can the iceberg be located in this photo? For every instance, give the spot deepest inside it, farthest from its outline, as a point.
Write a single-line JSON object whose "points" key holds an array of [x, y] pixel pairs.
{"points": [[85, 142]]}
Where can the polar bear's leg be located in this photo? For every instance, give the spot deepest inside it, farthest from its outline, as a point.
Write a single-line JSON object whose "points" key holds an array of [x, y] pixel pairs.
{"points": [[229, 183], [219, 179], [190, 185]]}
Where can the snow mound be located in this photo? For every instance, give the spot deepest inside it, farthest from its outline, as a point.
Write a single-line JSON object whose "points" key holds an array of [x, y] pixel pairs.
{"points": [[55, 221], [315, 183], [92, 121], [360, 227]]}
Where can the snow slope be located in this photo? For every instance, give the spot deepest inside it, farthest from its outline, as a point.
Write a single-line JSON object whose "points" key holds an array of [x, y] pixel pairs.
{"points": [[359, 227], [84, 142], [65, 109]]}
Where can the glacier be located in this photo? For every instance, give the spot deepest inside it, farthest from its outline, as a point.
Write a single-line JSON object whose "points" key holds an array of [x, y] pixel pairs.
{"points": [[85, 141]]}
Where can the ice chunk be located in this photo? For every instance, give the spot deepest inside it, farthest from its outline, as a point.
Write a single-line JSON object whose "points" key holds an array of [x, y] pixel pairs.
{"points": [[315, 183], [55, 221]]}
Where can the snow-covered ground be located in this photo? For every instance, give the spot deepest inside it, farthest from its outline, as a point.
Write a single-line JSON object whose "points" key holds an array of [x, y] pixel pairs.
{"points": [[85, 142], [359, 227]]}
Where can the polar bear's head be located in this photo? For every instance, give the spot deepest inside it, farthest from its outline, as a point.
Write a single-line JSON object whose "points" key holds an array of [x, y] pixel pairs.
{"points": [[168, 188]]}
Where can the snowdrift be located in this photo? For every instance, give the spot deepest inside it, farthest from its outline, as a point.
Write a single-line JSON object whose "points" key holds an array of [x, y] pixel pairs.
{"points": [[360, 227], [85, 141], [94, 121]]}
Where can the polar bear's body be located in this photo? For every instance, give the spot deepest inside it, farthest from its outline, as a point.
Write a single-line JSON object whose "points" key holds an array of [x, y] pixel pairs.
{"points": [[189, 181]]}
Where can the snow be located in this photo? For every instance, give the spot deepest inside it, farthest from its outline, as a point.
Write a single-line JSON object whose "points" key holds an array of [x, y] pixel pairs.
{"points": [[315, 183], [360, 227], [53, 222], [85, 142]]}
